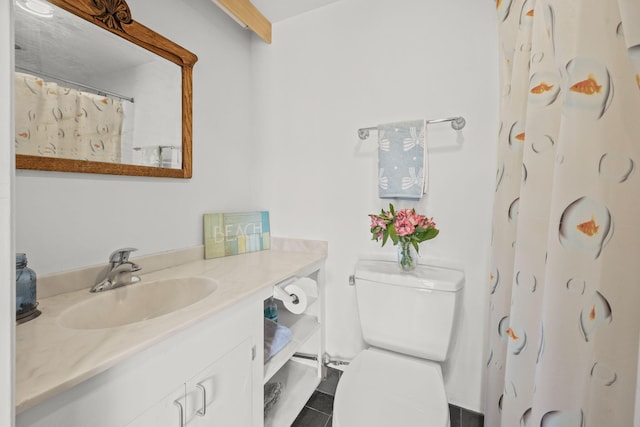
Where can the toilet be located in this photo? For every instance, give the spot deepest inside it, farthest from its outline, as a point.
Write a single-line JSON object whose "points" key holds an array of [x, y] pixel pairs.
{"points": [[407, 321]]}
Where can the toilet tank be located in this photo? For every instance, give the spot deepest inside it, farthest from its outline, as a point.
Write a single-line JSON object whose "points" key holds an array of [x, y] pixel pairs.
{"points": [[408, 312]]}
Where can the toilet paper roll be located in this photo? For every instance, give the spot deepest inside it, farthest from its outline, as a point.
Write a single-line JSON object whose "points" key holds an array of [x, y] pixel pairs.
{"points": [[298, 304], [308, 285]]}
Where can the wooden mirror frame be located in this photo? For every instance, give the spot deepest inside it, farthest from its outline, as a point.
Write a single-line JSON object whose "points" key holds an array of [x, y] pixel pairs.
{"points": [[115, 17]]}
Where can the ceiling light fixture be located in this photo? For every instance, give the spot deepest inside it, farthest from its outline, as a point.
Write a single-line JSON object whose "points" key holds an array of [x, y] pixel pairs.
{"points": [[36, 7]]}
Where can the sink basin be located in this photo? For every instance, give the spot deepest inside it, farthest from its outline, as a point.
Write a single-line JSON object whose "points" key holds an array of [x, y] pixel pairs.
{"points": [[135, 303]]}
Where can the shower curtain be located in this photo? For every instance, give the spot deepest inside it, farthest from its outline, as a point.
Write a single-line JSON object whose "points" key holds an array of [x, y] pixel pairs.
{"points": [[56, 121], [565, 277]]}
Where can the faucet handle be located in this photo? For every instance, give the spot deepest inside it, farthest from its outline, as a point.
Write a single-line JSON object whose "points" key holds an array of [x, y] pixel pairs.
{"points": [[120, 255]]}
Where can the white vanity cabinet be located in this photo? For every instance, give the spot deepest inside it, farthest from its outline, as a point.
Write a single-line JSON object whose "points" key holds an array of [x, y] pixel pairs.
{"points": [[221, 394], [298, 376], [201, 365], [167, 411], [217, 396], [217, 354]]}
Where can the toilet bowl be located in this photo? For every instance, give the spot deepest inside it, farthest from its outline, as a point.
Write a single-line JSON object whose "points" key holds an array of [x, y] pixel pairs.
{"points": [[384, 389], [407, 320]]}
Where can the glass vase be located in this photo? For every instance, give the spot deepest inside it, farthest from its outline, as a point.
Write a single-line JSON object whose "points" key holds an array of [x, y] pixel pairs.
{"points": [[407, 256]]}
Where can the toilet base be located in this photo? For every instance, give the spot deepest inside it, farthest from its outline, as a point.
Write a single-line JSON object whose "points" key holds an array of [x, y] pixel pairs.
{"points": [[380, 388]]}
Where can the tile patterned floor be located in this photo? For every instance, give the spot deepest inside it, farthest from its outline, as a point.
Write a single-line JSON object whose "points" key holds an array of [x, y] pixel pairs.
{"points": [[461, 417], [318, 411]]}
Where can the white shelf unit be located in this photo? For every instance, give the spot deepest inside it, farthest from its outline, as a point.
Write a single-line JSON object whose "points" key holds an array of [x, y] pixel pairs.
{"points": [[302, 326], [299, 378]]}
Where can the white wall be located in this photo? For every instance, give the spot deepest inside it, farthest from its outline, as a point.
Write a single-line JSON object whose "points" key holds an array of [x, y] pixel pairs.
{"points": [[275, 128], [7, 277], [358, 63], [66, 221]]}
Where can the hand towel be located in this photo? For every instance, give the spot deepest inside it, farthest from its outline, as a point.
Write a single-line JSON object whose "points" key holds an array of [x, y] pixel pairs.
{"points": [[272, 392], [402, 160], [276, 336]]}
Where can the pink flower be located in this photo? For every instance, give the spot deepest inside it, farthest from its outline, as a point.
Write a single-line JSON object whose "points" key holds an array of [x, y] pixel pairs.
{"points": [[428, 223], [378, 222], [409, 226], [404, 227], [401, 215], [414, 218]]}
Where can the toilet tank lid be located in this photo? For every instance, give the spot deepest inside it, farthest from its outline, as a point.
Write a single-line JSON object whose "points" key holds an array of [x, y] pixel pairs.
{"points": [[423, 277]]}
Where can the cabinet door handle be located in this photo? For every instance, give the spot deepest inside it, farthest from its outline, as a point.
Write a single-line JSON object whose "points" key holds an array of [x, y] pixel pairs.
{"points": [[179, 405], [202, 412]]}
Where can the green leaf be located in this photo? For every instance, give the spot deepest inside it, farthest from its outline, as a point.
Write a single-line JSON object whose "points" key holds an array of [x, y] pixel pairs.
{"points": [[415, 245], [385, 236], [393, 212], [393, 234], [431, 233]]}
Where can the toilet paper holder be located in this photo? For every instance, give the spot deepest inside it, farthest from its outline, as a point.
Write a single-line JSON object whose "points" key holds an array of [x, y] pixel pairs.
{"points": [[282, 295], [292, 296]]}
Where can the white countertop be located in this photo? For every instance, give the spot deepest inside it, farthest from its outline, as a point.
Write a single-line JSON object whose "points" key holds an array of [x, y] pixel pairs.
{"points": [[51, 358]]}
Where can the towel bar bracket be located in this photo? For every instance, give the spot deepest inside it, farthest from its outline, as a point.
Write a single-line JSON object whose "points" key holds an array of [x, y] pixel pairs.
{"points": [[458, 123], [364, 133]]}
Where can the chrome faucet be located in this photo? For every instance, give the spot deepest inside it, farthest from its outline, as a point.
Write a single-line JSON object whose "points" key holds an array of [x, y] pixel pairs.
{"points": [[119, 272]]}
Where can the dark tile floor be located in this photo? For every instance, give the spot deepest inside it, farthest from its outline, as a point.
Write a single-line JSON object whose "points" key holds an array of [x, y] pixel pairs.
{"points": [[461, 417], [318, 410]]}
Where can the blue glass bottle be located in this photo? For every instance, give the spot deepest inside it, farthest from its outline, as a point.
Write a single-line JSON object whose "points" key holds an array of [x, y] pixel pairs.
{"points": [[271, 310], [25, 288]]}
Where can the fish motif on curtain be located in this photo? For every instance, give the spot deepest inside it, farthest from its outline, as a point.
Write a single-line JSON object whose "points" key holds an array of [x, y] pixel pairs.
{"points": [[564, 331], [56, 121]]}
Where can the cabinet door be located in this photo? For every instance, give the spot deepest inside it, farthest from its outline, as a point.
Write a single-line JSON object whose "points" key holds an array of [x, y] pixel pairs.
{"points": [[220, 395], [170, 411]]}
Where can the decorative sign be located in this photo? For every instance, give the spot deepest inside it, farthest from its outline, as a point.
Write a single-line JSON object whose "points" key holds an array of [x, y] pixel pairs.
{"points": [[235, 233]]}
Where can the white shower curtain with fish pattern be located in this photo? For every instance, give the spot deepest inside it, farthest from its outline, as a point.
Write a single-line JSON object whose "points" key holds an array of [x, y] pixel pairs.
{"points": [[56, 121], [565, 278]]}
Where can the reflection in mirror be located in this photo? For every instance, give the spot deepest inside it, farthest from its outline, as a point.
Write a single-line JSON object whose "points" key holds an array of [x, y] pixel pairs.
{"points": [[98, 92]]}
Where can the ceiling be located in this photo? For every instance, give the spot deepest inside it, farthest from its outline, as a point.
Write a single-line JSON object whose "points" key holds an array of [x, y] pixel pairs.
{"points": [[279, 10]]}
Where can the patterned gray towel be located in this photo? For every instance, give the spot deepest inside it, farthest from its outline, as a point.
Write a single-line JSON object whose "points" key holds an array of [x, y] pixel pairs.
{"points": [[402, 160]]}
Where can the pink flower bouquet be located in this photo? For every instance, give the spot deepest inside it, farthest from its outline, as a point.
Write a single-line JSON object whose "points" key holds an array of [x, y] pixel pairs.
{"points": [[404, 227]]}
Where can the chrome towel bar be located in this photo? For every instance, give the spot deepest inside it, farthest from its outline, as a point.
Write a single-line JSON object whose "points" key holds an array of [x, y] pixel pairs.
{"points": [[457, 123]]}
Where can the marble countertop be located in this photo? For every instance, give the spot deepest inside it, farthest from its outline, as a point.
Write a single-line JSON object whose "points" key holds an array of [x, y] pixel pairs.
{"points": [[51, 358]]}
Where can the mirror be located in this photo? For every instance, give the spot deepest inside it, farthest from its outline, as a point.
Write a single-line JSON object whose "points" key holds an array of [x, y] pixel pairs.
{"points": [[97, 92]]}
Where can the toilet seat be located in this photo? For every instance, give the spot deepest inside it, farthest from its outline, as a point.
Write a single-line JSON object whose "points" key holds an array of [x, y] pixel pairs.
{"points": [[380, 388]]}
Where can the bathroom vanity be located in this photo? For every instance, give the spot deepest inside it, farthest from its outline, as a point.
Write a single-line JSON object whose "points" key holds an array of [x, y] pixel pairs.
{"points": [[199, 363]]}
